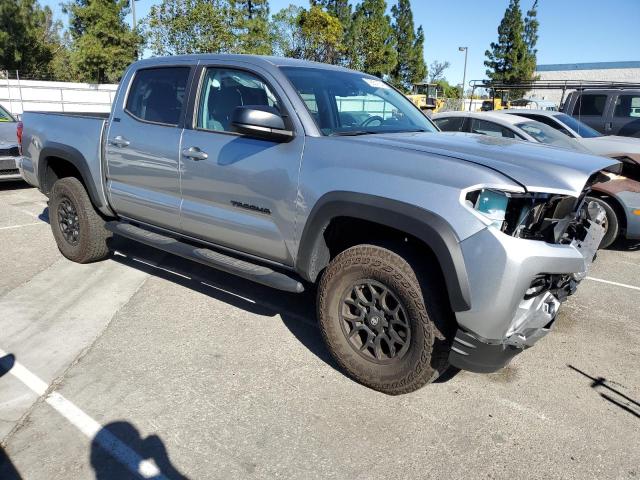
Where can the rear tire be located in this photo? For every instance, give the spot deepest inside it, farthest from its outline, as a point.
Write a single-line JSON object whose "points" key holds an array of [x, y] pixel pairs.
{"points": [[612, 223], [357, 292], [77, 227]]}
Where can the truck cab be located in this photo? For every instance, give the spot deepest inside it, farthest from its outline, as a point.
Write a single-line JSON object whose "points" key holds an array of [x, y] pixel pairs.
{"points": [[610, 112]]}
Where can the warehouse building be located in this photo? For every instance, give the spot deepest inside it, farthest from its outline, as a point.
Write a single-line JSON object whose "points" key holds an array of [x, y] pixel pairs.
{"points": [[598, 71]]}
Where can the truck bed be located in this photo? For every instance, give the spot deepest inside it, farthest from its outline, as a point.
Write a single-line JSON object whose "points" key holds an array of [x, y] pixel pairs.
{"points": [[75, 135]]}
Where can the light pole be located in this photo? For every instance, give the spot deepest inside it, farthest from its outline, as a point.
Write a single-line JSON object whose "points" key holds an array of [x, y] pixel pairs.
{"points": [[133, 13], [464, 74]]}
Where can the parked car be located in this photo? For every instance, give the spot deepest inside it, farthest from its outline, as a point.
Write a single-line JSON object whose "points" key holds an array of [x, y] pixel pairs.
{"points": [[618, 193], [534, 103], [496, 124], [620, 196], [611, 112], [426, 249], [8, 146]]}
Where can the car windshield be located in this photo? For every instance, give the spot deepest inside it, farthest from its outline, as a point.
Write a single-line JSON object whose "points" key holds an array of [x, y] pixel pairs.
{"points": [[351, 103], [5, 116], [549, 136], [582, 129]]}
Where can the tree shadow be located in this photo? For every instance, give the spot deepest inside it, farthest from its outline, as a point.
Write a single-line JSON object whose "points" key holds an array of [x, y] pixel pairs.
{"points": [[6, 363], [620, 400], [7, 470], [118, 451]]}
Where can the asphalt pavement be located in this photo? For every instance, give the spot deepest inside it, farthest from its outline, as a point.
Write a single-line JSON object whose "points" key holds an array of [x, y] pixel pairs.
{"points": [[153, 364]]}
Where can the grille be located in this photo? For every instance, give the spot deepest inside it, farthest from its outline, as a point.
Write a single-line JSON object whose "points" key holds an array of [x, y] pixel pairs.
{"points": [[9, 152], [9, 171]]}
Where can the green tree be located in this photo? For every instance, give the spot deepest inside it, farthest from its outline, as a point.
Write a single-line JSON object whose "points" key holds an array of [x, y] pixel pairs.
{"points": [[251, 26], [410, 67], [508, 59], [286, 33], [177, 27], [29, 37], [341, 9], [321, 35], [531, 25], [370, 41], [103, 44]]}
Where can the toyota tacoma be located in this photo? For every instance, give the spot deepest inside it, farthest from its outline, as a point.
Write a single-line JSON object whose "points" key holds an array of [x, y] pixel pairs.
{"points": [[426, 250]]}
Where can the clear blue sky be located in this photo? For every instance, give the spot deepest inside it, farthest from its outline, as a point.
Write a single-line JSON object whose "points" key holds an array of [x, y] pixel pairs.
{"points": [[571, 31]]}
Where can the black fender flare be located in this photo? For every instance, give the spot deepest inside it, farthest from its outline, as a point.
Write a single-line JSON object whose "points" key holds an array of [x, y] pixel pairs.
{"points": [[75, 158], [430, 228]]}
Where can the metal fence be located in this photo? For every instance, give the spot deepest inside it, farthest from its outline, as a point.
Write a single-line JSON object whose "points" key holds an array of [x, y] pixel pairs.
{"points": [[19, 95]]}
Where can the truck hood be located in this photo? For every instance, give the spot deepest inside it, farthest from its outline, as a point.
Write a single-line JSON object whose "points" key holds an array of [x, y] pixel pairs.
{"points": [[8, 135], [613, 146], [538, 168]]}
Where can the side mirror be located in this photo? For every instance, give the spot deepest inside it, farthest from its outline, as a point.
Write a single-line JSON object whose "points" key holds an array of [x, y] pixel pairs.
{"points": [[260, 121]]}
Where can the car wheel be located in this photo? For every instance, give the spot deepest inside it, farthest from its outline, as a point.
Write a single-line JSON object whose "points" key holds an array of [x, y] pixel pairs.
{"points": [[77, 227], [611, 225], [383, 324]]}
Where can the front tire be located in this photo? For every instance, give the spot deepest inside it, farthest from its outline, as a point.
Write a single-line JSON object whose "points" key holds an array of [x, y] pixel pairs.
{"points": [[612, 225], [77, 227], [383, 325]]}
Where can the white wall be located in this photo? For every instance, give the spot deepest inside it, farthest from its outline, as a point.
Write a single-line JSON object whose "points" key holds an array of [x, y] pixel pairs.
{"points": [[606, 75], [19, 96]]}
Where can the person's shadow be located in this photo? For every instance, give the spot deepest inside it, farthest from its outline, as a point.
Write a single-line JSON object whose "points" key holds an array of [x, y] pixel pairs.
{"points": [[7, 470], [110, 461]]}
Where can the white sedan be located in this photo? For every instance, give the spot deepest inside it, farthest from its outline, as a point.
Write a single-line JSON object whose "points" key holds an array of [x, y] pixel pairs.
{"points": [[619, 195]]}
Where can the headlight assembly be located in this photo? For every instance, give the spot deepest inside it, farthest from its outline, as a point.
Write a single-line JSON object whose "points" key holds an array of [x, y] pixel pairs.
{"points": [[538, 216]]}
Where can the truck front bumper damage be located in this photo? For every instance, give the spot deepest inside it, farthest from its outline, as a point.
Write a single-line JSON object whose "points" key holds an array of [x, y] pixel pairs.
{"points": [[517, 287]]}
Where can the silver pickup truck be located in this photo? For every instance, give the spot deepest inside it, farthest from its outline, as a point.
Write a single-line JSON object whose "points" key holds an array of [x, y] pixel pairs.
{"points": [[426, 249]]}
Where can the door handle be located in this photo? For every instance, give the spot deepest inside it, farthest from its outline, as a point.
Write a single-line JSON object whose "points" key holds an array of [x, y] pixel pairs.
{"points": [[119, 141], [195, 153]]}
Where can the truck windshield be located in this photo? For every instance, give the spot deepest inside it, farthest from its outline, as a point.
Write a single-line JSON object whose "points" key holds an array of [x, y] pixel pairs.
{"points": [[582, 129], [550, 136], [350, 103]]}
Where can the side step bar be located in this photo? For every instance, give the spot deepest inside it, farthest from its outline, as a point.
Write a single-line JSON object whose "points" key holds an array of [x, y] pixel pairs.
{"points": [[211, 258]]}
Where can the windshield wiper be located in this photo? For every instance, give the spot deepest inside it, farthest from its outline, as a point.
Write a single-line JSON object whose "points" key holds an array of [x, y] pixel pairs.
{"points": [[352, 133]]}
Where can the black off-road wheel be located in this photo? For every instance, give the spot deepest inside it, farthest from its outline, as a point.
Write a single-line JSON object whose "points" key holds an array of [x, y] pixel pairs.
{"points": [[384, 324], [77, 227], [611, 224]]}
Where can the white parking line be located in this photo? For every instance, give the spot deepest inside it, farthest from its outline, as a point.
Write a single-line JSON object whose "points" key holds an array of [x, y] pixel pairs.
{"points": [[87, 425], [23, 225], [613, 283]]}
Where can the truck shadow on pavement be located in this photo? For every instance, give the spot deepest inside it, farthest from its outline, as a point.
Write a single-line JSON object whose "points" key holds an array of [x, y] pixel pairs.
{"points": [[297, 310], [618, 398], [7, 470]]}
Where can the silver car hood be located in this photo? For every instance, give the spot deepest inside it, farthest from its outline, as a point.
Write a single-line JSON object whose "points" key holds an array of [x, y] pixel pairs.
{"points": [[613, 146], [8, 134], [538, 168]]}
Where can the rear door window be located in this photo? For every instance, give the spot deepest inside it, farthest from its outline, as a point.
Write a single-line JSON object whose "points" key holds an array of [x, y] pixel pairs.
{"points": [[627, 106], [590, 105], [157, 94], [450, 124], [491, 129]]}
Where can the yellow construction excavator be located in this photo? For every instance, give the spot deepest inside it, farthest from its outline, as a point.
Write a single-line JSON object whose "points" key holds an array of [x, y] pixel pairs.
{"points": [[425, 96]]}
